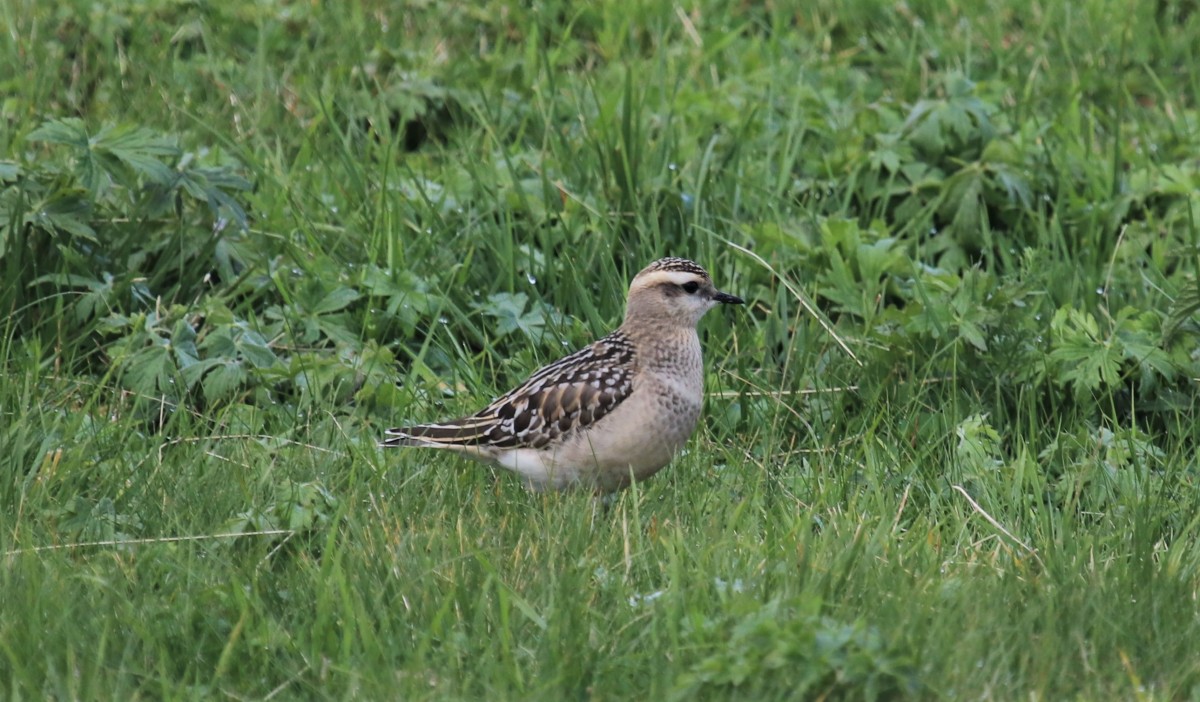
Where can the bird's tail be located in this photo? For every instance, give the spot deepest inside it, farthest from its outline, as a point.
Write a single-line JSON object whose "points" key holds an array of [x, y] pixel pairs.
{"points": [[470, 431]]}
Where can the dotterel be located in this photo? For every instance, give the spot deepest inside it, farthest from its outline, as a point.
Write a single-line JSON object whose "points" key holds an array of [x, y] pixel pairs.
{"points": [[615, 411]]}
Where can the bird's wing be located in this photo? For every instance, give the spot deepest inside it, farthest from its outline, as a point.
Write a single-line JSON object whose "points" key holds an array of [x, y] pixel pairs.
{"points": [[570, 394]]}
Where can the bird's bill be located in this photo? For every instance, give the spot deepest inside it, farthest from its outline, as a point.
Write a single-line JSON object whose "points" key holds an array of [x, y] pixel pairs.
{"points": [[727, 299]]}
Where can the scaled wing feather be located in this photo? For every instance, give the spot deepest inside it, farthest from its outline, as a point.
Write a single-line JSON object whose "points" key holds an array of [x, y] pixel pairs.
{"points": [[565, 396]]}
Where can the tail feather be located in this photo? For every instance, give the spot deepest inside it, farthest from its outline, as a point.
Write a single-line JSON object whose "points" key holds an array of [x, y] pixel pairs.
{"points": [[470, 431]]}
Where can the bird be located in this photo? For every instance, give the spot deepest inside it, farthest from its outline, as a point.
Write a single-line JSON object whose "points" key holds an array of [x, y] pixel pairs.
{"points": [[613, 412]]}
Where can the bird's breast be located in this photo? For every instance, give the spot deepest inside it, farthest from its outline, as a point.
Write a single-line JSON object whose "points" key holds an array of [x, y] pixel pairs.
{"points": [[644, 432]]}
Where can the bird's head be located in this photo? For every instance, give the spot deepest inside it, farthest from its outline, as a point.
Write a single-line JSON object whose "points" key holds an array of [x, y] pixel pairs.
{"points": [[673, 292]]}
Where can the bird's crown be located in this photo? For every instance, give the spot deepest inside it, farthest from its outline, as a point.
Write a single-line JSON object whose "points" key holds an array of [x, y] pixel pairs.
{"points": [[672, 264]]}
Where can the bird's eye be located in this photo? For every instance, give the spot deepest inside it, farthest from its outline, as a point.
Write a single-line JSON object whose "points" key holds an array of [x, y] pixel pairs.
{"points": [[690, 287]]}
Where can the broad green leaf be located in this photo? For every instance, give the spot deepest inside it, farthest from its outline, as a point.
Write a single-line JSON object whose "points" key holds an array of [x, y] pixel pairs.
{"points": [[972, 334], [978, 443], [208, 185], [256, 349], [193, 372], [337, 299], [67, 211], [508, 309], [223, 379], [339, 328], [1183, 308], [1088, 365], [69, 131], [219, 343], [183, 342], [138, 148], [149, 371]]}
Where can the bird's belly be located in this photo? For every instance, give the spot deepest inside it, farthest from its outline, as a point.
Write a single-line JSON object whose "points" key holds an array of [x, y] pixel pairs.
{"points": [[634, 443]]}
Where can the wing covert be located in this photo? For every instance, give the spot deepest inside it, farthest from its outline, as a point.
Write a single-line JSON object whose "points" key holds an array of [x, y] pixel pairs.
{"points": [[565, 396]]}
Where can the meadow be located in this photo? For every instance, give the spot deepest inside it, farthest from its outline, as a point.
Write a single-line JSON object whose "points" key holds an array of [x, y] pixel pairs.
{"points": [[949, 445]]}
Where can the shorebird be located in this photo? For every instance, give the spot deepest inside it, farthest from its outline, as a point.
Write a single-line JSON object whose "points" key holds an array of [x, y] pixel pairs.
{"points": [[615, 411]]}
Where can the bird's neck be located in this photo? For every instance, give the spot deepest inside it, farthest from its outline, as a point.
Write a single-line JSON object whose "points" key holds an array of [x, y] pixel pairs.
{"points": [[666, 347]]}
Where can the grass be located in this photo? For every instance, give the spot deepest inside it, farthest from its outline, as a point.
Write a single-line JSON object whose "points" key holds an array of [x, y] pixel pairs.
{"points": [[949, 448]]}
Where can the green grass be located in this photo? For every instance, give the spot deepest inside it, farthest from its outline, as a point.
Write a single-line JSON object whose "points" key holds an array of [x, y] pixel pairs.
{"points": [[950, 445]]}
